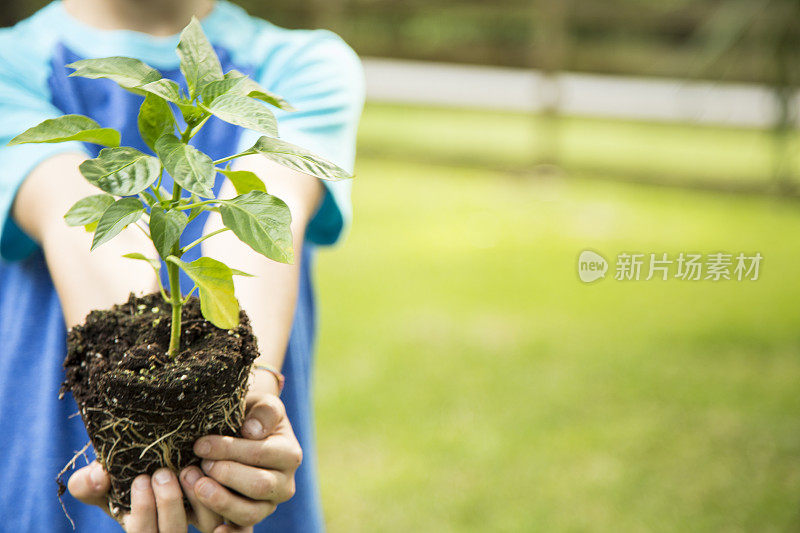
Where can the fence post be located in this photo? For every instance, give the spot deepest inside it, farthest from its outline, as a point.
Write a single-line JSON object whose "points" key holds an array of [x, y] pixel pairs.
{"points": [[551, 35]]}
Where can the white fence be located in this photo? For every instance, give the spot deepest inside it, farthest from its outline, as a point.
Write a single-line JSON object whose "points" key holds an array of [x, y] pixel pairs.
{"points": [[633, 98]]}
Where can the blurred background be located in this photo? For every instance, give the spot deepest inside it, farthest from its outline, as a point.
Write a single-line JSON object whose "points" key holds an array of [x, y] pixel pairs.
{"points": [[466, 379]]}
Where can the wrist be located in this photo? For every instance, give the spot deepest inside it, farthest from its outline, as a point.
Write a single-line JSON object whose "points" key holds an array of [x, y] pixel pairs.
{"points": [[265, 379]]}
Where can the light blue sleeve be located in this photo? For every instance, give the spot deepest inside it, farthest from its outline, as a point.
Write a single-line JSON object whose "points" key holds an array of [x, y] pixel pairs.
{"points": [[24, 102], [322, 78]]}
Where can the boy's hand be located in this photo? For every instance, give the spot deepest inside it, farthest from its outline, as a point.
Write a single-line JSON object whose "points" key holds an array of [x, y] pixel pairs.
{"points": [[156, 503], [259, 467]]}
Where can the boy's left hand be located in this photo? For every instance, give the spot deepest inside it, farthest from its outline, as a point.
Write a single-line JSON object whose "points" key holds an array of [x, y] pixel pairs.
{"points": [[260, 469]]}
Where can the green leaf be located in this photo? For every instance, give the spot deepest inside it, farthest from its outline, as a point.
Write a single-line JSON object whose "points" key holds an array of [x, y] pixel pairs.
{"points": [[163, 88], [90, 228], [155, 263], [216, 88], [251, 88], [215, 283], [236, 272], [199, 61], [270, 98], [88, 210], [122, 171], [149, 199], [245, 112], [68, 128], [129, 73], [189, 167], [297, 158], [261, 221], [191, 113], [244, 181], [116, 218], [155, 120], [166, 228]]}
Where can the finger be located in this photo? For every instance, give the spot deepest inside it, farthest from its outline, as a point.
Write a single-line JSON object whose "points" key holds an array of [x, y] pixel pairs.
{"points": [[142, 518], [236, 509], [169, 502], [90, 484], [263, 416], [277, 452], [204, 518], [255, 483]]}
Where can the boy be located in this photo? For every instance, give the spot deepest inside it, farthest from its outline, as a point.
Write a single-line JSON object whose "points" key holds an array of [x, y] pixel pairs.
{"points": [[49, 278]]}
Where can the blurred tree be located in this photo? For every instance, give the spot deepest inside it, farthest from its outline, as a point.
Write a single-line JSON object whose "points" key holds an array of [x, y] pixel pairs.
{"points": [[786, 54], [776, 25], [612, 36], [328, 13], [9, 14], [15, 10]]}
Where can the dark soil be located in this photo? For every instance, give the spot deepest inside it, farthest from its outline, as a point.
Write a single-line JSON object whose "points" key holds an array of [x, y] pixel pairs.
{"points": [[143, 410]]}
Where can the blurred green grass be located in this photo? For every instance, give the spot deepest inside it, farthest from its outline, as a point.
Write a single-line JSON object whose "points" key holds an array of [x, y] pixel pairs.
{"points": [[680, 154], [467, 381]]}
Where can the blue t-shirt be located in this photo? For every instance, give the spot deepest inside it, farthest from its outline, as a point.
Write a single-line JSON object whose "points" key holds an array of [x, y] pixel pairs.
{"points": [[314, 70]]}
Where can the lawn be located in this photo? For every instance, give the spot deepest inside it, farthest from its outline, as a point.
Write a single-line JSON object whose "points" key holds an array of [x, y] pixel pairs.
{"points": [[621, 150], [468, 381]]}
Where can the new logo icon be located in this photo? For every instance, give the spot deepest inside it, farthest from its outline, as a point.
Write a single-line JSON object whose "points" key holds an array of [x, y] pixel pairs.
{"points": [[591, 266]]}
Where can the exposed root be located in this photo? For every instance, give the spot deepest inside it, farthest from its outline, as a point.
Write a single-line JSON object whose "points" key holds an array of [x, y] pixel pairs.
{"points": [[158, 440], [131, 444], [62, 487]]}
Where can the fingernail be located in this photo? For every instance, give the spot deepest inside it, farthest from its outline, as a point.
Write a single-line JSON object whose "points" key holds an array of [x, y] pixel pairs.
{"points": [[162, 477], [141, 483], [205, 489], [202, 447], [254, 427], [96, 475], [191, 475], [207, 465]]}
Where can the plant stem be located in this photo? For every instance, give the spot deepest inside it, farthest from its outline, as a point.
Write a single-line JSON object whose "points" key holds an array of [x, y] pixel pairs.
{"points": [[175, 273], [189, 295], [229, 158], [177, 304], [146, 234], [175, 290], [186, 136], [201, 239], [197, 204], [161, 289], [158, 183], [197, 126]]}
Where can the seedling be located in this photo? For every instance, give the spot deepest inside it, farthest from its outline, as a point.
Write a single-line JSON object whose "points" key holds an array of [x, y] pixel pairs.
{"points": [[131, 180]]}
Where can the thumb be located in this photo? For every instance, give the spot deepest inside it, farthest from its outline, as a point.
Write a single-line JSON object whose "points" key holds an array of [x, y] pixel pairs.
{"points": [[90, 485], [263, 416]]}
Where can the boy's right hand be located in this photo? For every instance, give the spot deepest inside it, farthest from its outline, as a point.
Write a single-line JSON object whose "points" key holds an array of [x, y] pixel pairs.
{"points": [[156, 504]]}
